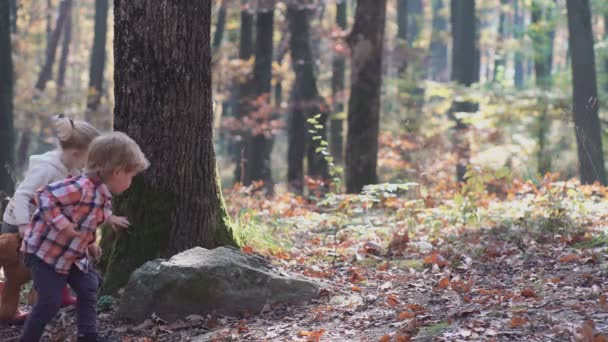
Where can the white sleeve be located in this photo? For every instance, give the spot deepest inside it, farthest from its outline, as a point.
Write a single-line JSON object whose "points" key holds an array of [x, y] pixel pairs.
{"points": [[35, 178]]}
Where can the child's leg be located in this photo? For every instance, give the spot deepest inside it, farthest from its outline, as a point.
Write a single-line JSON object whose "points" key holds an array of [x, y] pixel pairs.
{"points": [[85, 285], [49, 284]]}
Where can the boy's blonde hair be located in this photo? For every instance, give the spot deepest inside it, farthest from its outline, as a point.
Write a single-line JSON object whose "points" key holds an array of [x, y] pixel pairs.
{"points": [[115, 150], [74, 134]]}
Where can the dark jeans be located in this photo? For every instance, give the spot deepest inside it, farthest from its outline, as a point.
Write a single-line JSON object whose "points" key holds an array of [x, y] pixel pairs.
{"points": [[49, 285]]}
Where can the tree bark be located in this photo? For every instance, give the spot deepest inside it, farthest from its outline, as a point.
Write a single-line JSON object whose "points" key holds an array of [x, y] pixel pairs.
{"points": [[220, 26], [336, 143], [260, 139], [402, 7], [439, 48], [465, 71], [305, 103], [14, 12], [414, 21], [501, 58], [163, 101], [65, 52], [518, 35], [46, 73], [584, 93], [98, 61], [241, 91], [7, 139], [366, 42]]}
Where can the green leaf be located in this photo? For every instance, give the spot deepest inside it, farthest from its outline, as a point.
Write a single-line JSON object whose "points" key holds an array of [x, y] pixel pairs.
{"points": [[317, 137], [318, 149]]}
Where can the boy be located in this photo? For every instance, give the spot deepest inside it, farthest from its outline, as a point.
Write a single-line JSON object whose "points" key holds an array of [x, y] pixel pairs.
{"points": [[62, 237]]}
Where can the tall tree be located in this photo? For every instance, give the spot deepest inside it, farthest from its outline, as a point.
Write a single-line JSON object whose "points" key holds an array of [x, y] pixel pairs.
{"points": [[305, 102], [500, 54], [439, 47], [241, 90], [163, 101], [414, 21], [65, 52], [402, 6], [366, 42], [259, 139], [518, 29], [336, 143], [46, 73], [7, 142], [14, 9], [584, 93], [98, 61], [465, 71], [220, 26]]}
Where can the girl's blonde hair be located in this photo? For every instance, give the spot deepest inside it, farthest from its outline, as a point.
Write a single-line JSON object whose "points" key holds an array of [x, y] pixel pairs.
{"points": [[74, 134], [115, 150]]}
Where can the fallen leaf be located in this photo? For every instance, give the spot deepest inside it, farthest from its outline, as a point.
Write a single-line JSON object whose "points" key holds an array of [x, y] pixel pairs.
{"points": [[405, 315], [600, 338], [570, 258], [402, 338], [392, 301], [312, 335], [383, 266], [355, 288], [444, 283], [465, 332], [436, 259], [416, 307], [247, 249], [517, 321], [385, 338], [528, 293], [604, 302], [386, 285]]}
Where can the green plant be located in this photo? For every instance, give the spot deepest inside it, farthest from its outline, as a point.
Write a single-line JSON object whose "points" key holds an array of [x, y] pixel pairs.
{"points": [[335, 172]]}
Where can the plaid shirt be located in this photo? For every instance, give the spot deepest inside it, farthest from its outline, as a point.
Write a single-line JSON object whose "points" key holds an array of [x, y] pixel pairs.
{"points": [[83, 200]]}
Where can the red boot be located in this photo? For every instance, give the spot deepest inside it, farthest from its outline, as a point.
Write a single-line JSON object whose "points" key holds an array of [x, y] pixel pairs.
{"points": [[67, 298]]}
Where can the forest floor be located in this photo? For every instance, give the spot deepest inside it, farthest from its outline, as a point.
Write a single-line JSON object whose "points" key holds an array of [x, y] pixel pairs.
{"points": [[527, 262]]}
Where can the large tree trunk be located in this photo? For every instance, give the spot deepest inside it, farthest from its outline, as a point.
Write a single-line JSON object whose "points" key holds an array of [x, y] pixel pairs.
{"points": [[98, 61], [220, 27], [241, 90], [439, 47], [65, 52], [584, 93], [7, 142], [260, 137], [336, 143], [366, 42], [500, 55], [305, 103], [163, 100], [46, 73], [465, 71], [14, 11]]}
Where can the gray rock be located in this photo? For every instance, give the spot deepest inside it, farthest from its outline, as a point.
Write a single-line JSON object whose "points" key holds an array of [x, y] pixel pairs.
{"points": [[199, 281]]}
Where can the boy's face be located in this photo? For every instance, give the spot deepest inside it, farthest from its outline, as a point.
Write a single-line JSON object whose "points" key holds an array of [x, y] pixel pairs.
{"points": [[120, 180]]}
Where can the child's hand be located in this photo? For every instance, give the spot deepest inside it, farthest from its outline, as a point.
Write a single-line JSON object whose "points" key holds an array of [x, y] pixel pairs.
{"points": [[23, 229], [118, 222], [71, 232], [94, 251]]}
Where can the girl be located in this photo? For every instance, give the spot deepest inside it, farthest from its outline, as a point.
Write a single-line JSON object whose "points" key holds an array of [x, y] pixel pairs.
{"points": [[65, 161]]}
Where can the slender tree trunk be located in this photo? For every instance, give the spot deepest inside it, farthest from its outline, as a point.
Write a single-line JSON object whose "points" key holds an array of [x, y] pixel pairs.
{"points": [[65, 52], [414, 21], [241, 91], [366, 42], [501, 58], [605, 61], [402, 7], [220, 26], [14, 12], [260, 138], [336, 143], [439, 48], [163, 101], [584, 93], [98, 61], [465, 71], [7, 140], [518, 35], [46, 73], [305, 103]]}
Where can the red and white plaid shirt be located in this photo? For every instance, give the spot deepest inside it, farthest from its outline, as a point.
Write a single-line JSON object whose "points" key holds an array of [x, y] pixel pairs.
{"points": [[82, 200]]}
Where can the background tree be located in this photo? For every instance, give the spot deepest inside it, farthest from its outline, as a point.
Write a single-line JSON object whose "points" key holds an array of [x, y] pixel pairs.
{"points": [[465, 71], [66, 40], [163, 100], [7, 142], [439, 48], [366, 43], [98, 61], [584, 93], [337, 87]]}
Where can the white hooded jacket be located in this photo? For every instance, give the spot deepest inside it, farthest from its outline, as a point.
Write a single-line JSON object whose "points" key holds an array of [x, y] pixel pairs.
{"points": [[43, 169]]}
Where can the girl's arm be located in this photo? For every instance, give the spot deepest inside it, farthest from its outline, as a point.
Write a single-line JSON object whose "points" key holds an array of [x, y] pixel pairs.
{"points": [[35, 179]]}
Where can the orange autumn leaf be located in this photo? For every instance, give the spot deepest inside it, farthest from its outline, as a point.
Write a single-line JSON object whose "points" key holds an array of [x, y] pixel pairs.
{"points": [[528, 293], [402, 338], [518, 321], [383, 266], [604, 302], [435, 258], [444, 283], [385, 338], [355, 288], [247, 249], [405, 315], [312, 335], [416, 307], [392, 301], [555, 280], [600, 338], [570, 258]]}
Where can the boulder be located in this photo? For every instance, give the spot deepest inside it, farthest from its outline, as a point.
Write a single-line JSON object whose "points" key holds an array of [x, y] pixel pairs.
{"points": [[221, 281]]}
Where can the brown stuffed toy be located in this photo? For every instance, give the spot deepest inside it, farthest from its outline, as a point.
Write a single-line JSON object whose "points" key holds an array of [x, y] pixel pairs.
{"points": [[16, 275]]}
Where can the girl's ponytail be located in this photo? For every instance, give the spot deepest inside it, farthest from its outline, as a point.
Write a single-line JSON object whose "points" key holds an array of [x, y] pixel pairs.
{"points": [[74, 134]]}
